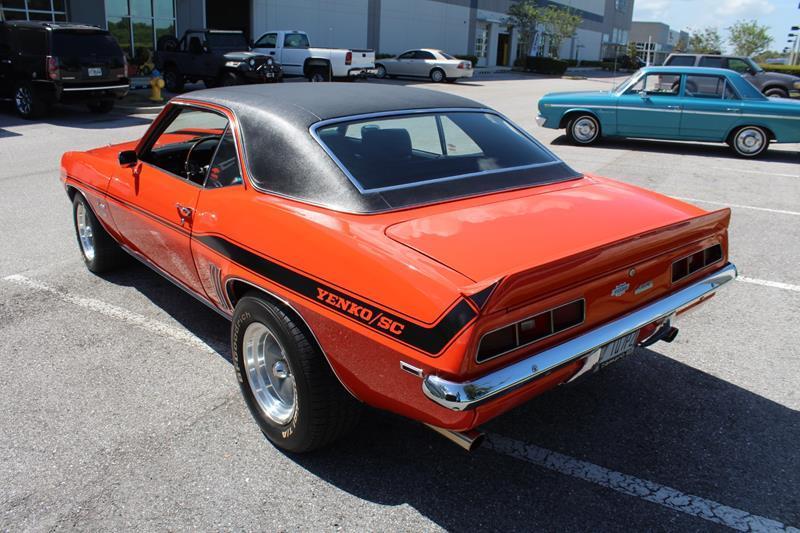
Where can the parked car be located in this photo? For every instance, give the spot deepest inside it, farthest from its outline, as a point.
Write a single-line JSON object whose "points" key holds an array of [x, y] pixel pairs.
{"points": [[379, 259], [217, 57], [424, 63], [773, 84], [293, 50], [44, 63], [682, 103], [626, 62]]}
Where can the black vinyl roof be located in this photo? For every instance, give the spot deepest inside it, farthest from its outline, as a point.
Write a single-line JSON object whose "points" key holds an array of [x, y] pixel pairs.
{"points": [[283, 157]]}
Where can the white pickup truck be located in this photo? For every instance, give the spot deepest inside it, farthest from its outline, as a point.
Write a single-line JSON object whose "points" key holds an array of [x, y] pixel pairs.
{"points": [[293, 52]]}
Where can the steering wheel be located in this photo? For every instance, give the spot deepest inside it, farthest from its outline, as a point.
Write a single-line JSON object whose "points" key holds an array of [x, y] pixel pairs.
{"points": [[193, 169]]}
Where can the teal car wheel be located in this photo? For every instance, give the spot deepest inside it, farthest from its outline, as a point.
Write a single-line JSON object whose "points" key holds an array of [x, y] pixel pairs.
{"points": [[583, 129], [750, 141]]}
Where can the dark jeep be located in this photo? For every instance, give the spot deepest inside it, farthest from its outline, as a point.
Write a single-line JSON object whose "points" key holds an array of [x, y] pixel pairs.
{"points": [[774, 84], [42, 63], [216, 57]]}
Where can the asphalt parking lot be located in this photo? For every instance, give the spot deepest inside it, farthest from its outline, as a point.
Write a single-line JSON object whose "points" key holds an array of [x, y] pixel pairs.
{"points": [[120, 410]]}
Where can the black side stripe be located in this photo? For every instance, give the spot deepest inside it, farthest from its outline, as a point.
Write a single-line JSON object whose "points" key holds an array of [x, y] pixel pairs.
{"points": [[431, 340]]}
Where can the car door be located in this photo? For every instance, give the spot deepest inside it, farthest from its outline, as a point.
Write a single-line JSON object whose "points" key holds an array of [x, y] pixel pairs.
{"points": [[404, 66], [153, 202], [294, 53], [195, 43], [6, 81], [651, 107], [711, 108], [422, 63], [743, 68], [267, 45]]}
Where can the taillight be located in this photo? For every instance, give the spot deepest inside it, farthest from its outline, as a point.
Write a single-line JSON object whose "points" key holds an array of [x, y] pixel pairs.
{"points": [[690, 264], [465, 65], [53, 71], [348, 59], [532, 329], [124, 65]]}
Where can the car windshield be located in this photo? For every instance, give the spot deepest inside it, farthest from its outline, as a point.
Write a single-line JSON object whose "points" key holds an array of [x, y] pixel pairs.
{"points": [[624, 82], [236, 41], [80, 43], [402, 151]]}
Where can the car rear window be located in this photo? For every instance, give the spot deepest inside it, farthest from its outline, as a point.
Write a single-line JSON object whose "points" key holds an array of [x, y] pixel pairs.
{"points": [[681, 61], [401, 151], [77, 44], [712, 62]]}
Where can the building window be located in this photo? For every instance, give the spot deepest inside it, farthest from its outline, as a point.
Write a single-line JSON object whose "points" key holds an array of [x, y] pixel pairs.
{"points": [[46, 10], [138, 25], [481, 38], [621, 5]]}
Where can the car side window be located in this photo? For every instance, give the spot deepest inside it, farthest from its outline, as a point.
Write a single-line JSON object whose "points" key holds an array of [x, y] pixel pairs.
{"points": [[738, 65], [680, 61], [657, 85], [407, 55], [32, 42], [187, 144], [713, 62], [422, 54], [195, 42], [269, 40], [698, 86], [5, 44], [225, 169], [295, 40]]}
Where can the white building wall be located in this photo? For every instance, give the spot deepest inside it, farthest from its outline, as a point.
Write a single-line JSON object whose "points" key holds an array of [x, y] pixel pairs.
{"points": [[329, 23], [597, 7], [591, 42], [423, 24]]}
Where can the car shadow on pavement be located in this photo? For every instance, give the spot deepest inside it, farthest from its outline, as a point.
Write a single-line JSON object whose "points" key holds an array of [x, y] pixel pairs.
{"points": [[73, 117], [6, 133], [648, 416], [683, 148]]}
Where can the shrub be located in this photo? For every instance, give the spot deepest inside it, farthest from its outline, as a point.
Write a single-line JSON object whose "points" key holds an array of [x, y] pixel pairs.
{"points": [[786, 69], [545, 65], [473, 59]]}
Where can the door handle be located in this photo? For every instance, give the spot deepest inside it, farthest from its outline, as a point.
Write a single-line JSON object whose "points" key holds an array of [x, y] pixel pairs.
{"points": [[673, 107], [732, 109], [184, 212]]}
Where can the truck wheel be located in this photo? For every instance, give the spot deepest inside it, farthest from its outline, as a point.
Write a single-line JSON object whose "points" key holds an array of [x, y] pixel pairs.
{"points": [[380, 71], [101, 107], [583, 129], [100, 251], [437, 75], [229, 79], [27, 103], [749, 141], [319, 74], [776, 92], [168, 43], [286, 382], [173, 80]]}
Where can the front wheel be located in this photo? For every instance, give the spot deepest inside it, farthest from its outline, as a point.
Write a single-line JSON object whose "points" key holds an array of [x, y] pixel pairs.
{"points": [[173, 80], [583, 130], [380, 72], [230, 79], [749, 141], [437, 75], [100, 251], [776, 92], [286, 382]]}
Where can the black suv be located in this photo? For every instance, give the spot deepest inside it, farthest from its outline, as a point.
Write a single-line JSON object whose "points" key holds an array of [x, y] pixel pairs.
{"points": [[774, 84], [42, 63]]}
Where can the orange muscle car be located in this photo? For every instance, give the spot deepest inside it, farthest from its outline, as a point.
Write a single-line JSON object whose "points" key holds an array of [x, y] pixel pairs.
{"points": [[396, 247]]}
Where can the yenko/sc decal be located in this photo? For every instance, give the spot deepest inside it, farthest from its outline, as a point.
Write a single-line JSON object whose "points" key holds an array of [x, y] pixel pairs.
{"points": [[360, 311]]}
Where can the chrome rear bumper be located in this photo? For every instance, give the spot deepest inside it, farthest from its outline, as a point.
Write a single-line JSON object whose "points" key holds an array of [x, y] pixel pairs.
{"points": [[466, 395]]}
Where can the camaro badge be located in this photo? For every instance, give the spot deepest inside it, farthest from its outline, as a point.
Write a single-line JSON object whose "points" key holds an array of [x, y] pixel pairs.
{"points": [[620, 289], [646, 286]]}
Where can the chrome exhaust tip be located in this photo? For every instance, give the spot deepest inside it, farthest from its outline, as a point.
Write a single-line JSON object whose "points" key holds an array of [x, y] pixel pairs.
{"points": [[469, 440]]}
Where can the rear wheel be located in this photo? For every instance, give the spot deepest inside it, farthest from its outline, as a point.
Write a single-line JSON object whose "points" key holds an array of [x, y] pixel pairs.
{"points": [[749, 141], [319, 74], [27, 103], [100, 251], [437, 75], [173, 80], [286, 382], [100, 107], [583, 129]]}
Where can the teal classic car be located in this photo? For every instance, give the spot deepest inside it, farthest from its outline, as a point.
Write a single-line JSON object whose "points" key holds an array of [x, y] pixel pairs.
{"points": [[681, 103]]}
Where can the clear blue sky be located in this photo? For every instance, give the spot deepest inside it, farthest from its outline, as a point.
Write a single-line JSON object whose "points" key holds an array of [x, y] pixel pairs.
{"points": [[779, 15]]}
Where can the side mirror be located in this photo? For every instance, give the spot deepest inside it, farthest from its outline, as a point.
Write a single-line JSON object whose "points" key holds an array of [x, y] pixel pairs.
{"points": [[644, 95], [128, 158]]}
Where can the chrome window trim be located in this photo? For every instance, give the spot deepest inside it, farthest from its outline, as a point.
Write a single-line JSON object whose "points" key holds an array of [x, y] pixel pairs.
{"points": [[104, 88], [427, 111], [516, 330]]}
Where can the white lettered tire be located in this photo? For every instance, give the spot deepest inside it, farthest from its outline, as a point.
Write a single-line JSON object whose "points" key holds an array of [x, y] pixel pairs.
{"points": [[583, 129], [749, 141]]}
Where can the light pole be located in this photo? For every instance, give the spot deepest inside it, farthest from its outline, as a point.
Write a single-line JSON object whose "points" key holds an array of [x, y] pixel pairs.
{"points": [[793, 56]]}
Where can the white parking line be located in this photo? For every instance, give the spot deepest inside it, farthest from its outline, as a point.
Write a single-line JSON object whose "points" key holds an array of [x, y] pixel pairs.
{"points": [[646, 490], [98, 306], [633, 486], [739, 206], [767, 283], [759, 172]]}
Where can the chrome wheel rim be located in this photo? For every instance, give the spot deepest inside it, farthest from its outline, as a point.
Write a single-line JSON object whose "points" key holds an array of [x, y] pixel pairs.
{"points": [[750, 141], [381, 72], [268, 373], [85, 233], [584, 129], [24, 100], [437, 76]]}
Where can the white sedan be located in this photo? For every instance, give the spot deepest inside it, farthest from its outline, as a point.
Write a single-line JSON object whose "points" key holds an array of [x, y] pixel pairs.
{"points": [[430, 63]]}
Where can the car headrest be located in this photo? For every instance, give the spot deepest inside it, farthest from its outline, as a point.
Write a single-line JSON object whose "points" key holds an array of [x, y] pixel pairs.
{"points": [[386, 144], [195, 45]]}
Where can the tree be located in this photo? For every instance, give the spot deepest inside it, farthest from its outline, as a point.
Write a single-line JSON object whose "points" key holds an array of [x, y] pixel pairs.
{"points": [[525, 15], [749, 37], [706, 41], [560, 23]]}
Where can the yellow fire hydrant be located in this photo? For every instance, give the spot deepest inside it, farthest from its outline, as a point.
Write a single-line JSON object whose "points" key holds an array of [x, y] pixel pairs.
{"points": [[156, 84]]}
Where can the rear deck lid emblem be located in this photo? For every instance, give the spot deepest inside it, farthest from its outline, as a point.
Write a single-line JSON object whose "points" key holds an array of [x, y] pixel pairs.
{"points": [[620, 289]]}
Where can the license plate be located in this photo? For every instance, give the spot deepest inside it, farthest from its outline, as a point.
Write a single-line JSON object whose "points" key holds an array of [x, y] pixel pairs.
{"points": [[619, 348], [95, 72]]}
